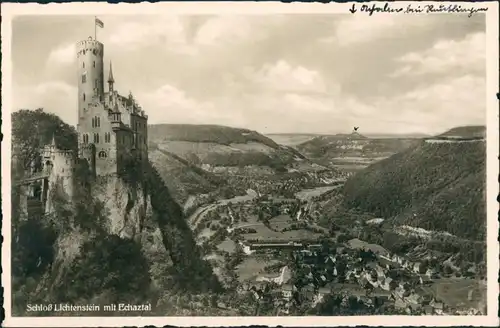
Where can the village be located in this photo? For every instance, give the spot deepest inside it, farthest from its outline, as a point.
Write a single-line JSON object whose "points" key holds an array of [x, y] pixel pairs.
{"points": [[310, 265], [373, 279]]}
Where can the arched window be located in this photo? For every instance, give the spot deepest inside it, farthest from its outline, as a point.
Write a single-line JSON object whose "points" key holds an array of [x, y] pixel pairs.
{"points": [[94, 63], [85, 138], [96, 137], [93, 122], [98, 121], [102, 154], [84, 97]]}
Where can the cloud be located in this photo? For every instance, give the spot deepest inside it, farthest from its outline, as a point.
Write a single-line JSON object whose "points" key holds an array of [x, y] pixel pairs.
{"points": [[223, 30], [436, 107], [54, 96], [180, 34], [63, 55], [431, 108], [358, 29], [467, 54], [283, 77], [167, 32], [168, 104]]}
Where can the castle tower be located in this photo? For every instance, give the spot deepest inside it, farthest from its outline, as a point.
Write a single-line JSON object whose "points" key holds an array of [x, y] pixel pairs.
{"points": [[90, 70]]}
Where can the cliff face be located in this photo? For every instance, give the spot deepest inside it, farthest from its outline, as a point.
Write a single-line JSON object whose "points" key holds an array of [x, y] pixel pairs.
{"points": [[116, 241], [126, 207], [116, 238]]}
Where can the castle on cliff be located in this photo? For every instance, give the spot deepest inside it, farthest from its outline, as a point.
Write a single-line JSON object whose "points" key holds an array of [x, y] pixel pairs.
{"points": [[112, 131], [111, 128]]}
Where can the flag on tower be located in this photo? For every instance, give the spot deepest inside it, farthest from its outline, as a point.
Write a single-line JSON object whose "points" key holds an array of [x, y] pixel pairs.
{"points": [[99, 22]]}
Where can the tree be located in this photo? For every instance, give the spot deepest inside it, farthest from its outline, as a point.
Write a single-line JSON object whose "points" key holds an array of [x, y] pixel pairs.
{"points": [[447, 270], [342, 238], [32, 130]]}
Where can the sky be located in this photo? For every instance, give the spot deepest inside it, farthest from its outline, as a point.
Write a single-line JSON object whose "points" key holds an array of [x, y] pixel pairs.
{"points": [[294, 73]]}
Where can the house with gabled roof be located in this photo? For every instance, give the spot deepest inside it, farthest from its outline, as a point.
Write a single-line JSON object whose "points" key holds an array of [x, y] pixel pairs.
{"points": [[389, 284]]}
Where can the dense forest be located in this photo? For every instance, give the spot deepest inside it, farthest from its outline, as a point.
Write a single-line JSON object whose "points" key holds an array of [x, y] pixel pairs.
{"points": [[435, 186]]}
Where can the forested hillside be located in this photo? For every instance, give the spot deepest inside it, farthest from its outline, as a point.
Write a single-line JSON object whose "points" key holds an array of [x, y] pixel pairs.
{"points": [[221, 146], [436, 186]]}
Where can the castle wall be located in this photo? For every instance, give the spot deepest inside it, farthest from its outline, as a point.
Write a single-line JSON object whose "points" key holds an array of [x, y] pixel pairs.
{"points": [[87, 153], [61, 168], [95, 127], [139, 125], [123, 147]]}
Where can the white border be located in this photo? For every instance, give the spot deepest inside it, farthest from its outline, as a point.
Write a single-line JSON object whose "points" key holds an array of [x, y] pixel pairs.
{"points": [[250, 8]]}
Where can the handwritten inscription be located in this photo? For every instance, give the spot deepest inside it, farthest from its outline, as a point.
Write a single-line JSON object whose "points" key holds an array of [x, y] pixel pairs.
{"points": [[417, 9]]}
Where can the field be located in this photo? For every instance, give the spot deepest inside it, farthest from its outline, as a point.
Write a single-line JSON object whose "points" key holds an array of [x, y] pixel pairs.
{"points": [[278, 223], [227, 245], [356, 243], [252, 266], [455, 292], [307, 194]]}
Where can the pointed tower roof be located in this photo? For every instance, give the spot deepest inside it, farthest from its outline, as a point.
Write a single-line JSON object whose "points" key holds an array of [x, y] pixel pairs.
{"points": [[110, 78], [53, 142]]}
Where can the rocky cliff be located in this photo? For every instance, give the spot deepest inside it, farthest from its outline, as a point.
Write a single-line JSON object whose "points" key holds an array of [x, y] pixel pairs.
{"points": [[117, 238]]}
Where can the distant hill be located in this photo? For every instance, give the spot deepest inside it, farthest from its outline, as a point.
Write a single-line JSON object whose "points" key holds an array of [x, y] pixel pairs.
{"points": [[352, 151], [218, 134], [435, 186], [214, 147], [291, 139], [473, 131], [396, 136]]}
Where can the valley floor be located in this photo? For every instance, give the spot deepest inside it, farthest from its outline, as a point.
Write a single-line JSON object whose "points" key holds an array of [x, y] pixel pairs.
{"points": [[271, 251]]}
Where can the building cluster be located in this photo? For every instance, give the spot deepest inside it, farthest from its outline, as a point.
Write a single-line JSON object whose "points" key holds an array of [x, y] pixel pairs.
{"points": [[289, 184], [374, 280]]}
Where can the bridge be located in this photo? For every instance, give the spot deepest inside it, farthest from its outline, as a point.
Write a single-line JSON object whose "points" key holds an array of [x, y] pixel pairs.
{"points": [[32, 178], [33, 193]]}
